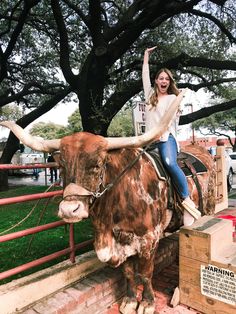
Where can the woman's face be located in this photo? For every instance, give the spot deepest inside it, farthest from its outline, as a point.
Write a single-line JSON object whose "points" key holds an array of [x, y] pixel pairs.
{"points": [[162, 82]]}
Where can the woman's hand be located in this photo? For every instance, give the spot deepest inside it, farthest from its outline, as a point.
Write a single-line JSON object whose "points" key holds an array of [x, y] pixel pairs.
{"points": [[147, 53], [149, 50]]}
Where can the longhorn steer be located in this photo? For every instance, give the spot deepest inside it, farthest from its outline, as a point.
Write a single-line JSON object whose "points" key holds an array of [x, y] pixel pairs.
{"points": [[128, 217]]}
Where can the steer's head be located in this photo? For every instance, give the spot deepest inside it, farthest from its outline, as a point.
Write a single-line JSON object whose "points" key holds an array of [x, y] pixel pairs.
{"points": [[82, 158], [82, 166]]}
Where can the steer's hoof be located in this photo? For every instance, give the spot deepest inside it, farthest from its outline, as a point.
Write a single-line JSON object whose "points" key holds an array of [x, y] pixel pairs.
{"points": [[128, 306], [146, 307]]}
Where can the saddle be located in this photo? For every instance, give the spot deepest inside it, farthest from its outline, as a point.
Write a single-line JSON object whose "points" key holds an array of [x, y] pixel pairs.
{"points": [[190, 165]]}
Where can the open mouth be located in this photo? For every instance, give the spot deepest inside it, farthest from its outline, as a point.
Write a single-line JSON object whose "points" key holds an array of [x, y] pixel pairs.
{"points": [[163, 86]]}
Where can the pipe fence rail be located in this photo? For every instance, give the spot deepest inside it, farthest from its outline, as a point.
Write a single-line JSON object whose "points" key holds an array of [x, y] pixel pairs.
{"points": [[73, 247]]}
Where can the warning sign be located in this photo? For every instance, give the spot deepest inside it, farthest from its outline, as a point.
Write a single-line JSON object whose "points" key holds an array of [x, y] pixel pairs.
{"points": [[218, 283]]}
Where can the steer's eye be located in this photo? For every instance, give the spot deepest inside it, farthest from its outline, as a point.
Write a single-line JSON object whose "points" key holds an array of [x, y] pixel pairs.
{"points": [[96, 168]]}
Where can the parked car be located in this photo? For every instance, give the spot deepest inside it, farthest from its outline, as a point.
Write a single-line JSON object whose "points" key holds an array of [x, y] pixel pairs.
{"points": [[233, 161], [26, 155], [229, 169]]}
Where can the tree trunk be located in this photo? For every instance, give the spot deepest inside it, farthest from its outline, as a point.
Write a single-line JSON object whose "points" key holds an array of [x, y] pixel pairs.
{"points": [[4, 186], [91, 95], [11, 147]]}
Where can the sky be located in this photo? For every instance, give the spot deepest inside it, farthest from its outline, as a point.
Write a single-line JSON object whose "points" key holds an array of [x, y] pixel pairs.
{"points": [[58, 115]]}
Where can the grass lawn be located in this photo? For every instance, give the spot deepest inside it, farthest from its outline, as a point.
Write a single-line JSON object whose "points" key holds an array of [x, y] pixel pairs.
{"points": [[28, 248]]}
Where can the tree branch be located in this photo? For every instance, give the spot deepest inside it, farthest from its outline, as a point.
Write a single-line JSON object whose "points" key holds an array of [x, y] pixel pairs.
{"points": [[64, 44], [22, 19], [31, 88], [206, 112], [79, 12], [184, 60], [223, 29], [45, 107]]}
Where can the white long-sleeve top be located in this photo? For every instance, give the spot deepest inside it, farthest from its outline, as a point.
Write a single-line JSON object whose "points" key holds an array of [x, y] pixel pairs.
{"points": [[155, 114]]}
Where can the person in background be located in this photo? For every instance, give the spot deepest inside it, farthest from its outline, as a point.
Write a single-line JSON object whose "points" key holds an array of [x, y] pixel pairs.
{"points": [[36, 170], [159, 99], [53, 170]]}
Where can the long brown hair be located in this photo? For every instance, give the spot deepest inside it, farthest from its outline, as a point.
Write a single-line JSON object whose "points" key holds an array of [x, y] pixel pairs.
{"points": [[172, 89]]}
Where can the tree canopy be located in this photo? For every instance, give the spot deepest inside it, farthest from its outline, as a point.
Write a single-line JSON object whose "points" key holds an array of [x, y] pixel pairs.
{"points": [[91, 49], [219, 124], [49, 130], [121, 125]]}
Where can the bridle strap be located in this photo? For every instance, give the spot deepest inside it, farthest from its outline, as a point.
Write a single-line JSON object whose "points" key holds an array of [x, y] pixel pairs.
{"points": [[130, 165], [98, 194]]}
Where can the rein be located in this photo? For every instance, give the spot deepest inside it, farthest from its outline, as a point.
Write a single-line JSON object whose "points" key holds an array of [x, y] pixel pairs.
{"points": [[130, 165]]}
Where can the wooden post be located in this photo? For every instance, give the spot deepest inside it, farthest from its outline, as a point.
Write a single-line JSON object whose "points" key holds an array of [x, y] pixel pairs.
{"points": [[221, 178]]}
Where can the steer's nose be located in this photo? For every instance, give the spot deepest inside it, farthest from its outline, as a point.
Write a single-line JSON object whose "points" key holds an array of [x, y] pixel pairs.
{"points": [[72, 209]]}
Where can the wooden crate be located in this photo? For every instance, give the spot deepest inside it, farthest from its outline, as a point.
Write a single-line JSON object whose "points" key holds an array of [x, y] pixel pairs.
{"points": [[207, 266]]}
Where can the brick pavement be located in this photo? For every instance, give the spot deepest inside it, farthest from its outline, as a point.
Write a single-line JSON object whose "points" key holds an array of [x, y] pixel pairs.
{"points": [[72, 299], [103, 288], [164, 285]]}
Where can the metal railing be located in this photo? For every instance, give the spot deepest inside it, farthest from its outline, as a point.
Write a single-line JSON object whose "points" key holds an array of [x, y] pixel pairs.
{"points": [[73, 247]]}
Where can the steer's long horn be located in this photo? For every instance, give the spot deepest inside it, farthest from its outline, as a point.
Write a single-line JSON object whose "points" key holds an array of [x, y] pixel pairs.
{"points": [[150, 136], [31, 141]]}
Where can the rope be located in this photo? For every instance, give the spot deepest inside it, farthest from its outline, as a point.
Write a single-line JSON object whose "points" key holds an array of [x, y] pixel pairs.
{"points": [[28, 215]]}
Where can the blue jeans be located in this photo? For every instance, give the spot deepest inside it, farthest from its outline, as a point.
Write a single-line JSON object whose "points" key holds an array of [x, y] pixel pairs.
{"points": [[168, 151]]}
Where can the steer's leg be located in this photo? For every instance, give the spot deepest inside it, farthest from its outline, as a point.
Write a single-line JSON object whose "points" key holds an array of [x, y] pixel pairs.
{"points": [[129, 303], [146, 266]]}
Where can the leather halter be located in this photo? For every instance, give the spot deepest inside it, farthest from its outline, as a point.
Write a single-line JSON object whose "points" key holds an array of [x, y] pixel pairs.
{"points": [[96, 194]]}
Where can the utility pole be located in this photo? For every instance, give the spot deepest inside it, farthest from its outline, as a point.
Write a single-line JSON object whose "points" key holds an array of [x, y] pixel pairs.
{"points": [[193, 135]]}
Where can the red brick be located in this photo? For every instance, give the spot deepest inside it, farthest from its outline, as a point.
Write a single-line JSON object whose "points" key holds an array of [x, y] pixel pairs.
{"points": [[103, 279], [101, 304], [80, 309], [107, 301], [87, 290], [56, 304], [93, 284], [95, 298], [76, 294], [45, 307], [67, 301]]}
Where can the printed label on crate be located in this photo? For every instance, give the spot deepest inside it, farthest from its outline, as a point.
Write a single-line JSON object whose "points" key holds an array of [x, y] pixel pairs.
{"points": [[218, 283]]}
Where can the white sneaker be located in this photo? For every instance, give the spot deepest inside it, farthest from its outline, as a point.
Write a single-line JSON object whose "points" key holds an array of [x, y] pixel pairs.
{"points": [[188, 219], [190, 207]]}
